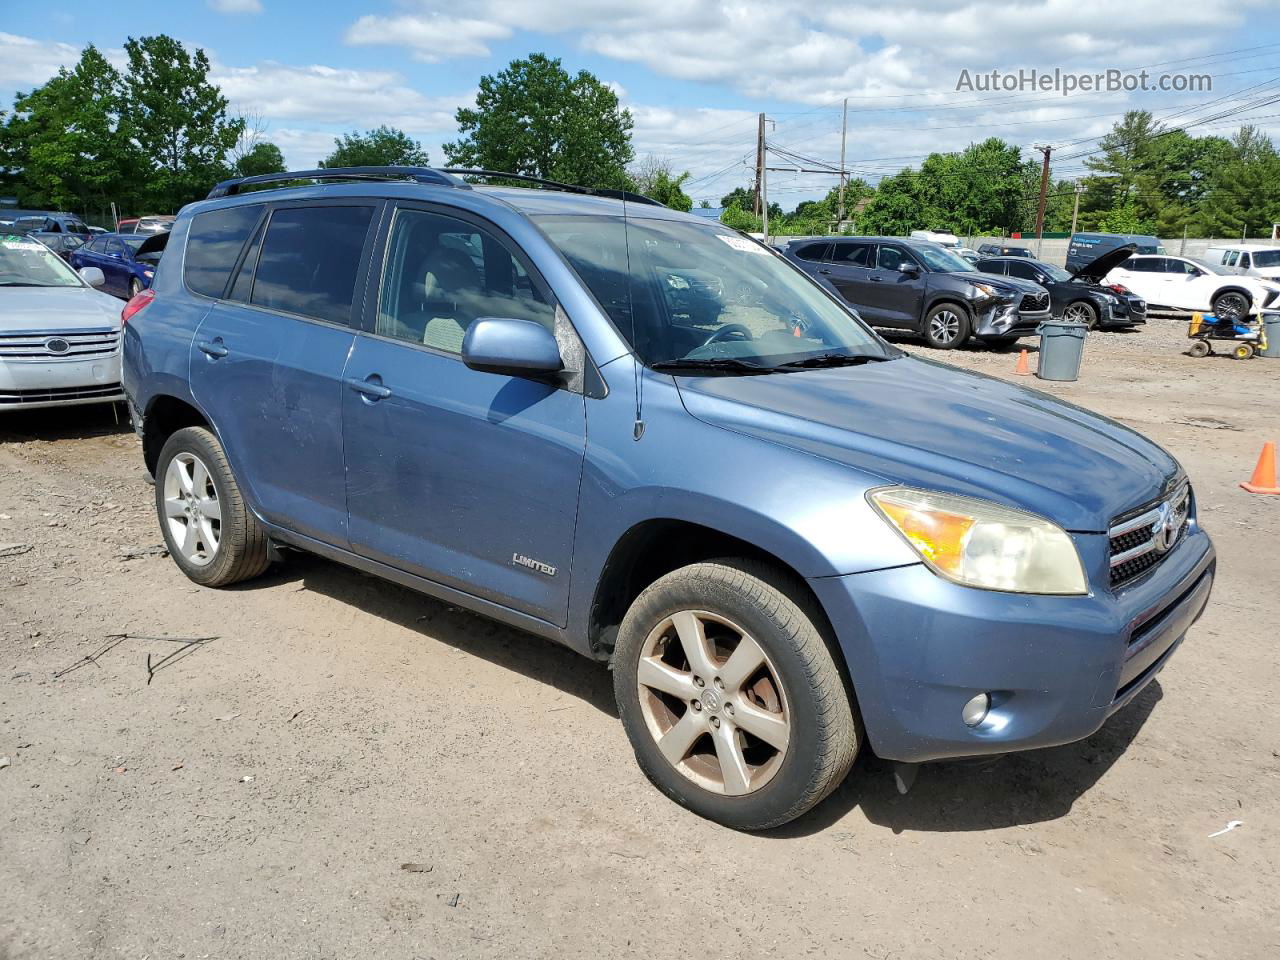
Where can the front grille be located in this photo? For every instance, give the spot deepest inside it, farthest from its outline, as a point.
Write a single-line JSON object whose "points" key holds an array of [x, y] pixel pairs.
{"points": [[1141, 539], [1035, 302], [80, 345], [1270, 297], [16, 398]]}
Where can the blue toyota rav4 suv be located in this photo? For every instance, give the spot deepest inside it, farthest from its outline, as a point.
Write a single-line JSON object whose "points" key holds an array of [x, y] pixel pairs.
{"points": [[652, 439]]}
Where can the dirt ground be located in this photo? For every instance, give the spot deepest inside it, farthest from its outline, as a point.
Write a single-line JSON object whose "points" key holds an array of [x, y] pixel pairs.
{"points": [[258, 793]]}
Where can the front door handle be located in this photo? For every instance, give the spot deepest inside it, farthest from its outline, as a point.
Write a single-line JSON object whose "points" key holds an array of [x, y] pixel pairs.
{"points": [[213, 348], [371, 389], [825, 273], [875, 279]]}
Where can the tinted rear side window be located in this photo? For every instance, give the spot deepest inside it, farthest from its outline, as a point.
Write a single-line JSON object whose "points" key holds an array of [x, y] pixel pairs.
{"points": [[309, 261], [812, 251], [214, 244]]}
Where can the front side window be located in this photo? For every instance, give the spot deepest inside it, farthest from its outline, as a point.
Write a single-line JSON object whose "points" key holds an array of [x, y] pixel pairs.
{"points": [[442, 274], [310, 259], [1244, 261], [213, 246], [939, 259], [682, 292]]}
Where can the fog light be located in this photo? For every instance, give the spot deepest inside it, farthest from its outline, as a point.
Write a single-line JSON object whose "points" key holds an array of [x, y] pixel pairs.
{"points": [[975, 711]]}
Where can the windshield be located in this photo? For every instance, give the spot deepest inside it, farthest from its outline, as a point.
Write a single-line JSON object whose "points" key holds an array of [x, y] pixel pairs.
{"points": [[685, 292], [29, 263], [941, 260], [1205, 265], [1266, 258]]}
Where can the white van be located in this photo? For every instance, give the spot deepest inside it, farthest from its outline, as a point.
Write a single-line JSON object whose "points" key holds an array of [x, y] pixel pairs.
{"points": [[949, 240], [1250, 259]]}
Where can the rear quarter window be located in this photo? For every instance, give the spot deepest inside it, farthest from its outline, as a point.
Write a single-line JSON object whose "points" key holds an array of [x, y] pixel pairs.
{"points": [[213, 246]]}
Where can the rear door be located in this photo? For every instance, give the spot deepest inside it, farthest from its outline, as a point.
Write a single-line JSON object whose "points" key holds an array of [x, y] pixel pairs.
{"points": [[465, 478], [848, 268], [1145, 276], [267, 361]]}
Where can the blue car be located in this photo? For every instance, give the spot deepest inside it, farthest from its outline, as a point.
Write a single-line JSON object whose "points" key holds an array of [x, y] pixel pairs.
{"points": [[654, 440], [126, 265]]}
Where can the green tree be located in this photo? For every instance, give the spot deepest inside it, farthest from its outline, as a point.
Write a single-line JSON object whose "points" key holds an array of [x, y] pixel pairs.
{"points": [[655, 179], [536, 119], [1243, 192], [65, 145], [737, 218], [383, 147], [178, 120], [743, 198], [259, 159]]}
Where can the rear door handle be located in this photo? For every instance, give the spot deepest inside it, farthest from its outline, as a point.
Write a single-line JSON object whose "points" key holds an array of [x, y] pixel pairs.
{"points": [[875, 279], [213, 348], [372, 389]]}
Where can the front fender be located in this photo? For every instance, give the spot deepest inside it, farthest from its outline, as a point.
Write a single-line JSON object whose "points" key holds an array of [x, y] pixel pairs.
{"points": [[809, 512]]}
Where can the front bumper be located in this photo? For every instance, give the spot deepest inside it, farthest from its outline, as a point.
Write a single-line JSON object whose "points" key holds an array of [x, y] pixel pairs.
{"points": [[35, 385], [1005, 319], [919, 647]]}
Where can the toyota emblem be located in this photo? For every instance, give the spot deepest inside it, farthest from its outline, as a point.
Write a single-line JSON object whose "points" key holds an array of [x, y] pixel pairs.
{"points": [[57, 345]]}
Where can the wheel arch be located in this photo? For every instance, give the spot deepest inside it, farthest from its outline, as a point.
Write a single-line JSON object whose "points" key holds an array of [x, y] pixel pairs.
{"points": [[1232, 288], [166, 415], [946, 297], [653, 548]]}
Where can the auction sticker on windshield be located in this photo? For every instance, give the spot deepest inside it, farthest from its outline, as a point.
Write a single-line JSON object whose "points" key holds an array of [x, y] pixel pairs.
{"points": [[17, 243], [742, 243]]}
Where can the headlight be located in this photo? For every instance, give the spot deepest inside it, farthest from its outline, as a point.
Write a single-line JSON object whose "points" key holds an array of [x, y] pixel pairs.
{"points": [[1110, 299], [980, 544], [986, 288]]}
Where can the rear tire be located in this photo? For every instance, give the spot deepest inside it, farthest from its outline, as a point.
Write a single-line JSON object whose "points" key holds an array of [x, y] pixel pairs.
{"points": [[211, 534], [1243, 351], [946, 326], [770, 730], [1199, 349], [135, 288]]}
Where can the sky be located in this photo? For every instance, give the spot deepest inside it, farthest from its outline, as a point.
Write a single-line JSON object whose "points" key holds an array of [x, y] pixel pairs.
{"points": [[695, 74]]}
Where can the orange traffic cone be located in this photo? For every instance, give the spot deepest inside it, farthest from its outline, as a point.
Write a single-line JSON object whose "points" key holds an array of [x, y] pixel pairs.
{"points": [[1264, 474], [1022, 370]]}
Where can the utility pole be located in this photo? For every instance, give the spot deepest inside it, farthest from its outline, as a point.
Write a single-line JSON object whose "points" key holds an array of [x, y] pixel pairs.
{"points": [[759, 165], [844, 129], [1044, 193], [764, 192], [1075, 212]]}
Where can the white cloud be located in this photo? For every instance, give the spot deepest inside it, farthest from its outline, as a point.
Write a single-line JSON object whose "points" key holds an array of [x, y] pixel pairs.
{"points": [[26, 63], [236, 6], [431, 37]]}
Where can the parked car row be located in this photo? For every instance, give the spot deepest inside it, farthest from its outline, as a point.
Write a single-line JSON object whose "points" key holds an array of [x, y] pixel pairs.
{"points": [[645, 436], [127, 260]]}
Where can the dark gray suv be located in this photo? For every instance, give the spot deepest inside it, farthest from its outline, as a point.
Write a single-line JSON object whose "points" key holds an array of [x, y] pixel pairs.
{"points": [[923, 287]]}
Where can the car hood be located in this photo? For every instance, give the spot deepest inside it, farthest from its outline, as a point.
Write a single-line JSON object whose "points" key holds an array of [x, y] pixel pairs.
{"points": [[1096, 269], [930, 425], [56, 310], [1002, 282]]}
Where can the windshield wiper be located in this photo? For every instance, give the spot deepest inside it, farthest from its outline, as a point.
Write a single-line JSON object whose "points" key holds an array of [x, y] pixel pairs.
{"points": [[831, 360], [727, 364]]}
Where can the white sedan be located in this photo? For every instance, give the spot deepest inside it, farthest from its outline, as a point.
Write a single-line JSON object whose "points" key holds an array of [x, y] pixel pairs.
{"points": [[1182, 283], [59, 337]]}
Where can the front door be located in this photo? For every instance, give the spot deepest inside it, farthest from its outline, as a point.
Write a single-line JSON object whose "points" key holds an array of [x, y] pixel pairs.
{"points": [[469, 479], [896, 296], [267, 360]]}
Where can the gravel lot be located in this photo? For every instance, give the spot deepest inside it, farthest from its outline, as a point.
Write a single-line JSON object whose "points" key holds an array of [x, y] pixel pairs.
{"points": [[258, 794]]}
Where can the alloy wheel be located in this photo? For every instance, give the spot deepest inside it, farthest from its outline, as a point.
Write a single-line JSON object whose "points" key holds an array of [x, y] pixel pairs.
{"points": [[192, 510], [1079, 313], [713, 702], [1230, 306], [944, 326]]}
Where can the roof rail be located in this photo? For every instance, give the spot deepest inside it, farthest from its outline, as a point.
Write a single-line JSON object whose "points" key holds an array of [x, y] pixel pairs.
{"points": [[556, 185], [229, 188]]}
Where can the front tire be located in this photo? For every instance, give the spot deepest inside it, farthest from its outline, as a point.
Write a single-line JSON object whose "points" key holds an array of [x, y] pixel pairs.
{"points": [[1231, 305], [1081, 312], [946, 326], [135, 287], [211, 534], [730, 696]]}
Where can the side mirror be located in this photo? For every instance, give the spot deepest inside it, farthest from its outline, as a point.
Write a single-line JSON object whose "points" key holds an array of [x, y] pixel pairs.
{"points": [[517, 348], [92, 276], [909, 267]]}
